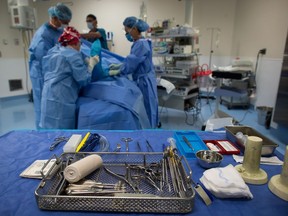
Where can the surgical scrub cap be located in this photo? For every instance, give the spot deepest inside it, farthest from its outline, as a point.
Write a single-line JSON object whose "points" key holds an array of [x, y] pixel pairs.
{"points": [[131, 22], [61, 11], [70, 36]]}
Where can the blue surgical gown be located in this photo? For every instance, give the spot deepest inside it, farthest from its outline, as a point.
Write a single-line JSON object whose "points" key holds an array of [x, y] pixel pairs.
{"points": [[139, 64], [44, 39], [65, 74]]}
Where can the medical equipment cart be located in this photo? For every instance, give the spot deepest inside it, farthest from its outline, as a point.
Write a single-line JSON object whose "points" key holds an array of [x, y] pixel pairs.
{"points": [[175, 58]]}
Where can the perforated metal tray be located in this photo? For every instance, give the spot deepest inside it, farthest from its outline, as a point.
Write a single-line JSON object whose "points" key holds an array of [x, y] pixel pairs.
{"points": [[50, 192]]}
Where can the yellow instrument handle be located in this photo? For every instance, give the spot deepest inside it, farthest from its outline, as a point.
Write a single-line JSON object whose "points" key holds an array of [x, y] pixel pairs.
{"points": [[83, 142]]}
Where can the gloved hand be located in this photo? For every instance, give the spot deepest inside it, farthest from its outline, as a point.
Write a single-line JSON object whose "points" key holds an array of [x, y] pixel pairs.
{"points": [[115, 66], [92, 62], [114, 72], [86, 60]]}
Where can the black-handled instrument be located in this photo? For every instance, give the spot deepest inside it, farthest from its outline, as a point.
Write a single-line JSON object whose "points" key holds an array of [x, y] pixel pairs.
{"points": [[187, 142]]}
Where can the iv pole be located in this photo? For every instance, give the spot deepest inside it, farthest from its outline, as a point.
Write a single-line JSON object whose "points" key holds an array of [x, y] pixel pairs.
{"points": [[212, 29], [218, 80], [143, 13]]}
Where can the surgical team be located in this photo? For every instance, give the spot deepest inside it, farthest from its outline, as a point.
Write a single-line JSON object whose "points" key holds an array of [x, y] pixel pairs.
{"points": [[78, 83]]}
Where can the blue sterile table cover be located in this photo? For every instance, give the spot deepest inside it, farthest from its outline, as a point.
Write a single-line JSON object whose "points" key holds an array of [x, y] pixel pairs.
{"points": [[19, 149]]}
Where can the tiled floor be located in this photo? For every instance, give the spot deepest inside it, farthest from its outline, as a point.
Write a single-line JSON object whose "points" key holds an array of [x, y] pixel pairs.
{"points": [[17, 113]]}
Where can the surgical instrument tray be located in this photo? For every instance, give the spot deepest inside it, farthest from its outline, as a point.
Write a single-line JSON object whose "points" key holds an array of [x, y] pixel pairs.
{"points": [[268, 146], [146, 183]]}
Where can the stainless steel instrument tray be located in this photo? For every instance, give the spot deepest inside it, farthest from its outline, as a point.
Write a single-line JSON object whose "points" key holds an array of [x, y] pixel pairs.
{"points": [[50, 196], [268, 146]]}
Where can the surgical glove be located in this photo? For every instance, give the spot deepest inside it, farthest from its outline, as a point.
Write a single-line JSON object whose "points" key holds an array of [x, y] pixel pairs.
{"points": [[115, 66], [92, 62], [114, 72], [86, 60]]}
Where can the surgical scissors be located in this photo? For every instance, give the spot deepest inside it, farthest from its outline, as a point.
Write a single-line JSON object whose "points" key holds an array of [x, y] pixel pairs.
{"points": [[127, 140], [122, 178], [149, 174]]}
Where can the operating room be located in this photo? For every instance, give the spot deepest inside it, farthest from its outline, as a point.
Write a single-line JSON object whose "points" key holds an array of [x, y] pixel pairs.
{"points": [[228, 29], [128, 73]]}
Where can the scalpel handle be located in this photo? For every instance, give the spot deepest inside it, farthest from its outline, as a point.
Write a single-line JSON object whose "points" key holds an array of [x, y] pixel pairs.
{"points": [[187, 142]]}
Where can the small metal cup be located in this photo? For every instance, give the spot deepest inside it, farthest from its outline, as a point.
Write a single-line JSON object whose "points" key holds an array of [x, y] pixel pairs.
{"points": [[209, 159]]}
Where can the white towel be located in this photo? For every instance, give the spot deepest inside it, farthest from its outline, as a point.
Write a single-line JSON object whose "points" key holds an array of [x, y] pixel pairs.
{"points": [[166, 84], [263, 160], [225, 182]]}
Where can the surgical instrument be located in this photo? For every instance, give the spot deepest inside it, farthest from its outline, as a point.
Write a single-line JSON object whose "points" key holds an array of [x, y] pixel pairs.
{"points": [[118, 148], [139, 147], [93, 187], [57, 141], [149, 147], [120, 177], [198, 188], [91, 142], [127, 140], [187, 142], [148, 174], [176, 176], [129, 178]]}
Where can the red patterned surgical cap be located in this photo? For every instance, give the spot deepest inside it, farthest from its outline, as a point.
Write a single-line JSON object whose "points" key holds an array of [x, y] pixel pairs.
{"points": [[70, 36]]}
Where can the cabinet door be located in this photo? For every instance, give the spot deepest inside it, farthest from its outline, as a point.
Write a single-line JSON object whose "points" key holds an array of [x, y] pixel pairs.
{"points": [[281, 107]]}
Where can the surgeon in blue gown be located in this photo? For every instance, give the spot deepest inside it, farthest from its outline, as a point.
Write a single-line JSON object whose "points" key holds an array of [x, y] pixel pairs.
{"points": [[139, 64], [110, 102], [65, 73], [44, 39]]}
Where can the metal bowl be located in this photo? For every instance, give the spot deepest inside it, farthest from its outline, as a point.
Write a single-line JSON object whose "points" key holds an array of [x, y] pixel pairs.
{"points": [[208, 158]]}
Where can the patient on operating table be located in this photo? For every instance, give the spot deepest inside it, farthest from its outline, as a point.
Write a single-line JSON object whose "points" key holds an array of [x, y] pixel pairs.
{"points": [[109, 102]]}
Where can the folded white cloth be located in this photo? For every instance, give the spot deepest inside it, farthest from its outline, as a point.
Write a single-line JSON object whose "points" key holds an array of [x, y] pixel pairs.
{"points": [[166, 84], [225, 182], [263, 160]]}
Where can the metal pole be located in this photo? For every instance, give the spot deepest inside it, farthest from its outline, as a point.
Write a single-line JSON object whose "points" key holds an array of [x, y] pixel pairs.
{"points": [[211, 46]]}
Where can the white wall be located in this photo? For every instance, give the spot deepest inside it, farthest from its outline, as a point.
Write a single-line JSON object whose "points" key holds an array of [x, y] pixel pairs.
{"points": [[262, 24], [111, 14], [215, 14], [12, 63]]}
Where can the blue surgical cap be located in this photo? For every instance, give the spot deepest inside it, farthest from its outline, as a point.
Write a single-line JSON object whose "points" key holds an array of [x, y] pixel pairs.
{"points": [[61, 11], [131, 22]]}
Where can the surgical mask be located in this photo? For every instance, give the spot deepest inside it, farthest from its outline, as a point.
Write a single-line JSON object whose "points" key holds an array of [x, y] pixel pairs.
{"points": [[129, 37], [90, 25], [61, 28]]}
